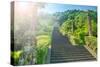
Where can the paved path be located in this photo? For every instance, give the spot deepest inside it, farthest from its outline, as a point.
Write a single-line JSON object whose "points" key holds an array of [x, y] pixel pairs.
{"points": [[63, 51]]}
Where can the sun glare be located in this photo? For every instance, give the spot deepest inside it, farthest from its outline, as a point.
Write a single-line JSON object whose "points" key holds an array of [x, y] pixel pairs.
{"points": [[22, 6], [25, 8]]}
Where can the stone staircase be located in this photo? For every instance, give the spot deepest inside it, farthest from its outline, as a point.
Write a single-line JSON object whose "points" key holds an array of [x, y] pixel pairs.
{"points": [[63, 51]]}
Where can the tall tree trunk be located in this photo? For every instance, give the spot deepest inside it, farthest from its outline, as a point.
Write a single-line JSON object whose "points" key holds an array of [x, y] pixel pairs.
{"points": [[73, 26], [89, 24]]}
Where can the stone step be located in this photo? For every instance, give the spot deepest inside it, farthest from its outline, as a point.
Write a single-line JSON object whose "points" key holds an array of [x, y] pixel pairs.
{"points": [[67, 49], [75, 56], [61, 52], [66, 55], [56, 51], [70, 60]]}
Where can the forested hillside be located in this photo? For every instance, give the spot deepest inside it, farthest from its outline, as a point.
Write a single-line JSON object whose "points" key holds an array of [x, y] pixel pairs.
{"points": [[80, 26]]}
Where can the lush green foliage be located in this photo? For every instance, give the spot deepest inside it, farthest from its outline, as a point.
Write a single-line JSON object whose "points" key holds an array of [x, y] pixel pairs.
{"points": [[43, 43], [91, 41], [16, 56], [75, 25]]}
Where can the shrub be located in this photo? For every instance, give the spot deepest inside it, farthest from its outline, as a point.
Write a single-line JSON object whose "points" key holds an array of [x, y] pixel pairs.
{"points": [[91, 42], [15, 55], [43, 42], [77, 38]]}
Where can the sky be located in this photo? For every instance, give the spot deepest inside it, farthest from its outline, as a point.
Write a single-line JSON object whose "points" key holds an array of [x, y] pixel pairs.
{"points": [[52, 8]]}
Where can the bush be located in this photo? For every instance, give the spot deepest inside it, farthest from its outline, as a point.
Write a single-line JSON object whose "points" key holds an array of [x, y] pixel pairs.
{"points": [[77, 38], [91, 42], [43, 42], [15, 55], [73, 40]]}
